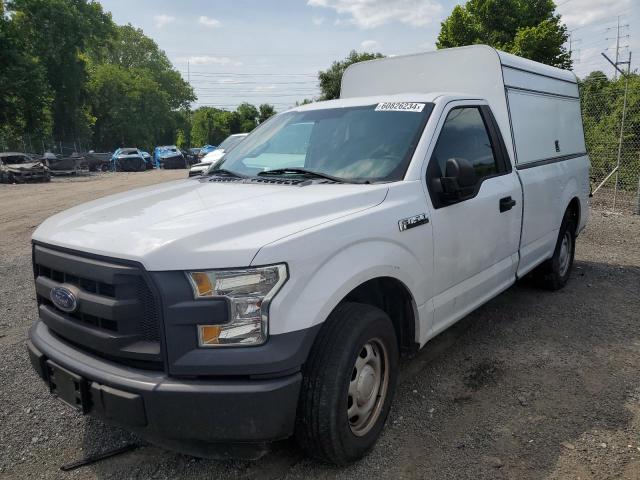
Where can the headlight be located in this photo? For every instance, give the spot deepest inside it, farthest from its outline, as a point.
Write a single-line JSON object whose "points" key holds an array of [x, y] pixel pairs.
{"points": [[249, 292]]}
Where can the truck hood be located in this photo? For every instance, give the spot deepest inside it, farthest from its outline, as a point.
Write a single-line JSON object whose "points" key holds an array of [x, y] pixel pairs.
{"points": [[196, 224]]}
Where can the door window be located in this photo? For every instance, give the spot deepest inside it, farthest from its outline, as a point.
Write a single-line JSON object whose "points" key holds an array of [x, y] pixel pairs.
{"points": [[464, 135]]}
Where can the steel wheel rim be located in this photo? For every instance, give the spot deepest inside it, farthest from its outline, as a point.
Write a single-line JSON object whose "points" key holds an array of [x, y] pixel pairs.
{"points": [[565, 253], [368, 387]]}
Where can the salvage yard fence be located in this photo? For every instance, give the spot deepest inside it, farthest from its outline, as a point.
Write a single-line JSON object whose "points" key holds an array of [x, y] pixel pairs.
{"points": [[612, 134]]}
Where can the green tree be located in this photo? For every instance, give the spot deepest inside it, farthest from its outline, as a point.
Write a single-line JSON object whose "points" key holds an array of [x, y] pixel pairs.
{"points": [[331, 78], [130, 108], [529, 28], [210, 126], [58, 33], [132, 49], [130, 52], [25, 98], [266, 111], [248, 117]]}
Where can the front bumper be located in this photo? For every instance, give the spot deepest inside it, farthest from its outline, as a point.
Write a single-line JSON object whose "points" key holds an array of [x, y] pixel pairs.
{"points": [[29, 175], [202, 417]]}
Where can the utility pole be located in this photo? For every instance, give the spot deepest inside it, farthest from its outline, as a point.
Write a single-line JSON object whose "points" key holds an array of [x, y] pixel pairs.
{"points": [[624, 114], [617, 38], [189, 106], [573, 41]]}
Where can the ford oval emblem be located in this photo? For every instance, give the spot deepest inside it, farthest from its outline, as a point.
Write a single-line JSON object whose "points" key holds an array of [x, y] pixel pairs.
{"points": [[64, 299]]}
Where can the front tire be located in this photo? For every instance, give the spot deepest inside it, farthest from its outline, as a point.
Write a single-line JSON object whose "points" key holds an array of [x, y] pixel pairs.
{"points": [[348, 384], [554, 273]]}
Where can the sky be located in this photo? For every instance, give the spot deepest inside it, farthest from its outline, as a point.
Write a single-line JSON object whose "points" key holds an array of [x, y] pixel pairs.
{"points": [[269, 51]]}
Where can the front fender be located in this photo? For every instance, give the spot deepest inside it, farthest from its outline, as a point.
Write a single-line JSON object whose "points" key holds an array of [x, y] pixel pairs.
{"points": [[328, 261], [310, 296]]}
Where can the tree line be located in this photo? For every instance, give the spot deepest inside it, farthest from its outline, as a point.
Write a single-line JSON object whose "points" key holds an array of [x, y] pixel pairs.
{"points": [[70, 74]]}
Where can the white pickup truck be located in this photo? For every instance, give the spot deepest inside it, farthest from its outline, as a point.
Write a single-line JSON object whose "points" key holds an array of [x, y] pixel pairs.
{"points": [[273, 296]]}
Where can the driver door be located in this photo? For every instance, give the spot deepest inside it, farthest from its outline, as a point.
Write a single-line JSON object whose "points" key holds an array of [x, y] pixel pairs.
{"points": [[476, 237]]}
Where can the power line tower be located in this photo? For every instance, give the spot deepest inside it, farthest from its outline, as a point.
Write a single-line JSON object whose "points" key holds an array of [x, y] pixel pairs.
{"points": [[573, 51], [620, 29]]}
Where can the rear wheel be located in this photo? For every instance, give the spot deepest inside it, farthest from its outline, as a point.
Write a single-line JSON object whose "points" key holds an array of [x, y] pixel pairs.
{"points": [[554, 273], [348, 384]]}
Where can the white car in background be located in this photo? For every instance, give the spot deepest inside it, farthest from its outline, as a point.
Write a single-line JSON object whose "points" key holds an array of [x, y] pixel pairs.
{"points": [[212, 157]]}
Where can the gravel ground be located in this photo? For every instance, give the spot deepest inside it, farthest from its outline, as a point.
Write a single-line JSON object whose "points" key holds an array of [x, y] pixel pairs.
{"points": [[532, 385]]}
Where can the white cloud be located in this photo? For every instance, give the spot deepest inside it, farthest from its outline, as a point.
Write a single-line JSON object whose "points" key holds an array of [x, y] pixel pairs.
{"points": [[209, 22], [585, 12], [370, 45], [209, 60], [163, 20], [318, 20], [374, 13]]}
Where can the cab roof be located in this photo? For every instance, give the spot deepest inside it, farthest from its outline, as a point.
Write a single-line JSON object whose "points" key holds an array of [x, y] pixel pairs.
{"points": [[370, 100]]}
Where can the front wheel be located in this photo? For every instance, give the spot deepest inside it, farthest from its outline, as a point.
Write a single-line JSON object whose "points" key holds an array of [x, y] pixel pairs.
{"points": [[348, 384]]}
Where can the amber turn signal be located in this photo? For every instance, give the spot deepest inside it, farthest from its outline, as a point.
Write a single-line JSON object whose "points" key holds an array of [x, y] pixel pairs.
{"points": [[209, 334], [202, 283]]}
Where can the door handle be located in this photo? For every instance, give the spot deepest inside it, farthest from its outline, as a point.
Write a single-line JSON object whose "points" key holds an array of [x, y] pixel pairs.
{"points": [[506, 203]]}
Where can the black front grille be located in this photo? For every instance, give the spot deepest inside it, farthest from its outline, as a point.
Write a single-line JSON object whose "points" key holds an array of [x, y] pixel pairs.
{"points": [[149, 324], [86, 284], [117, 315], [86, 318]]}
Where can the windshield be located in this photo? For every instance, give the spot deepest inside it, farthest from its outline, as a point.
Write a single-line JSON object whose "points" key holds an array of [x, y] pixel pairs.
{"points": [[365, 143], [230, 142]]}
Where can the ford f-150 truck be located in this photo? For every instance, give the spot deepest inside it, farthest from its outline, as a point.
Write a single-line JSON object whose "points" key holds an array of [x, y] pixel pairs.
{"points": [[273, 296]]}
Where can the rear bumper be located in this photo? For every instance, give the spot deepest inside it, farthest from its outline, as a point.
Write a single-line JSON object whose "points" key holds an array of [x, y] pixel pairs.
{"points": [[217, 417]]}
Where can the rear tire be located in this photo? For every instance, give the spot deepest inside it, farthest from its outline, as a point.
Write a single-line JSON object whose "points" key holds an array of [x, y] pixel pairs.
{"points": [[554, 273], [348, 384]]}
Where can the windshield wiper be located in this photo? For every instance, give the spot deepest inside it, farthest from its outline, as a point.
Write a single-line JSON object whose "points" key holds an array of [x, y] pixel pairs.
{"points": [[305, 172], [225, 173]]}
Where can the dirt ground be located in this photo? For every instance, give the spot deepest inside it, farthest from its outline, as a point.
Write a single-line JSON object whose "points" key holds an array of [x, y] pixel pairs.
{"points": [[533, 385]]}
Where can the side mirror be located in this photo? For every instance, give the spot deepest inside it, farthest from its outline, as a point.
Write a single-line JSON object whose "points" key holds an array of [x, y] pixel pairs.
{"points": [[459, 179]]}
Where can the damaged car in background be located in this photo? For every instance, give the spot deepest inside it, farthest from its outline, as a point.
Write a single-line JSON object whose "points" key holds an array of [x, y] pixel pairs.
{"points": [[98, 161], [169, 157], [128, 160], [73, 164], [20, 167]]}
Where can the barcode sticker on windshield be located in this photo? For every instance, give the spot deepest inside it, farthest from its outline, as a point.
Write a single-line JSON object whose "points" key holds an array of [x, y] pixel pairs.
{"points": [[399, 107]]}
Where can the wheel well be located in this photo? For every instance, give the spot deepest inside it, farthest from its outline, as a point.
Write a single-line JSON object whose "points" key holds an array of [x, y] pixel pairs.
{"points": [[574, 211], [391, 296]]}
